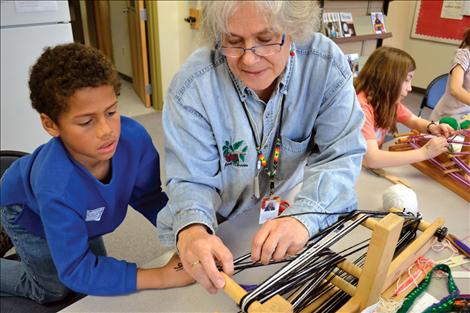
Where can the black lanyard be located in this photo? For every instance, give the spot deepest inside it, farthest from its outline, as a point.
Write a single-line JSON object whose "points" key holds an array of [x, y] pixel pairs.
{"points": [[261, 162]]}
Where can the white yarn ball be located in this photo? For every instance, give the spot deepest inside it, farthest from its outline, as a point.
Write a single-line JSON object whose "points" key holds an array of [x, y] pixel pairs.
{"points": [[400, 197]]}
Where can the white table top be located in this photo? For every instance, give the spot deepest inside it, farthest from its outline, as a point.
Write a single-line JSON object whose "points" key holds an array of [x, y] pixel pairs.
{"points": [[434, 201]]}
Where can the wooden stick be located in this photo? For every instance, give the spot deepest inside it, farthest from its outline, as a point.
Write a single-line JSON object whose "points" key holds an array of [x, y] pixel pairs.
{"points": [[413, 132], [467, 159], [420, 275], [350, 268], [342, 284], [404, 260], [447, 164], [394, 179], [232, 289], [276, 304], [312, 307], [452, 170], [353, 305], [379, 255]]}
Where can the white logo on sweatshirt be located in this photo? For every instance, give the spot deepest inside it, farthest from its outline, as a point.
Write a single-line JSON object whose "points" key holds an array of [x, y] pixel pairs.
{"points": [[94, 215]]}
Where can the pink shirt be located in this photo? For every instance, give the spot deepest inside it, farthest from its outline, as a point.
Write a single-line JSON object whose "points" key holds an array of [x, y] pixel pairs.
{"points": [[369, 130]]}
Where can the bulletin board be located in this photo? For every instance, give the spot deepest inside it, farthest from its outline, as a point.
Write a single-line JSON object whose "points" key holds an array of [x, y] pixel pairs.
{"points": [[429, 25]]}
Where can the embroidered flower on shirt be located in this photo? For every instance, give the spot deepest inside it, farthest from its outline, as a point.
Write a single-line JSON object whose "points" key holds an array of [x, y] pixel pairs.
{"points": [[235, 154]]}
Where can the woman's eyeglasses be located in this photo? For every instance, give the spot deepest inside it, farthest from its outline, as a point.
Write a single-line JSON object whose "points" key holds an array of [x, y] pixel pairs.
{"points": [[260, 50]]}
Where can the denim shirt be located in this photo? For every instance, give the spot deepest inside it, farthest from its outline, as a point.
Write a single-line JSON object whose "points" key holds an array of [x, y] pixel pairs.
{"points": [[211, 157]]}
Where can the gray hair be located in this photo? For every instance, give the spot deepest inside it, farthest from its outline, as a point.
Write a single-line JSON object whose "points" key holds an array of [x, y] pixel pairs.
{"points": [[297, 19]]}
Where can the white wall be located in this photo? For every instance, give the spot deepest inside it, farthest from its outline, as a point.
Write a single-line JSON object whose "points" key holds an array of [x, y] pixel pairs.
{"points": [[188, 37], [120, 37], [432, 58], [177, 40]]}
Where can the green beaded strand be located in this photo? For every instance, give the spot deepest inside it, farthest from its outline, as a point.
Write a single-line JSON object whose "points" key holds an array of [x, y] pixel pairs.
{"points": [[445, 305]]}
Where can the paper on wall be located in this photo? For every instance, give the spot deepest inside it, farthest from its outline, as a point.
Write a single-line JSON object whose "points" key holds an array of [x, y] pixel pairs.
{"points": [[466, 8], [452, 9]]}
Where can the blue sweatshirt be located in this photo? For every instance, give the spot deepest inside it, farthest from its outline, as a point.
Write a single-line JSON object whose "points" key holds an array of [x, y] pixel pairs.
{"points": [[68, 206]]}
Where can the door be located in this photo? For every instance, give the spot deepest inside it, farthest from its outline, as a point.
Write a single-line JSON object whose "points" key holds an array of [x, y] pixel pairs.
{"points": [[103, 27], [138, 45]]}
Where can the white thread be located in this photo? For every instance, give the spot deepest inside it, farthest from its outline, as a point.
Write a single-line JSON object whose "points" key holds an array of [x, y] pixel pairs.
{"points": [[401, 197], [388, 306], [445, 244]]}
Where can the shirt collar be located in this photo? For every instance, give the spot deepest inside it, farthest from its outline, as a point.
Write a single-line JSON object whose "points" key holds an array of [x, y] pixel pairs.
{"points": [[285, 77]]}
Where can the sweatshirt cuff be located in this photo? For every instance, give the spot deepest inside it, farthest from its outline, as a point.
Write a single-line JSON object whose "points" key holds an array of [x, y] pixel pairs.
{"points": [[131, 281]]}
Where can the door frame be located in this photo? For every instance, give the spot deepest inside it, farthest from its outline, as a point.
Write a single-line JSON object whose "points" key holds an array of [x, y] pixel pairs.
{"points": [[103, 27], [154, 54], [97, 32]]}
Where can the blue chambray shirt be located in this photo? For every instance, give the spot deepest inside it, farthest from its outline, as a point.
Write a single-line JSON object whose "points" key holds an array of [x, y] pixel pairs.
{"points": [[211, 153]]}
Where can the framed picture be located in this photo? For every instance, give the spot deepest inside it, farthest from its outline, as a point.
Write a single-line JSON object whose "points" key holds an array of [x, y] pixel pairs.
{"points": [[440, 21]]}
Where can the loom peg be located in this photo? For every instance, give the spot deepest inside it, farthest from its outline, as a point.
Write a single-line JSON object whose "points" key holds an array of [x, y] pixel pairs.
{"points": [[276, 304]]}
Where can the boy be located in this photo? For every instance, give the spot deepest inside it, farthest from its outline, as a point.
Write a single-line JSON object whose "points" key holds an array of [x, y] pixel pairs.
{"points": [[57, 202]]}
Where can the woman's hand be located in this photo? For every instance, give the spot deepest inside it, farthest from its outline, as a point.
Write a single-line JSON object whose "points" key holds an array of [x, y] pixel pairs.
{"points": [[441, 129], [278, 238], [199, 252], [434, 147]]}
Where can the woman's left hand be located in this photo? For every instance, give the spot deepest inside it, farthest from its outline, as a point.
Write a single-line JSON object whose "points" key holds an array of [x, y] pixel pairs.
{"points": [[441, 129], [278, 238]]}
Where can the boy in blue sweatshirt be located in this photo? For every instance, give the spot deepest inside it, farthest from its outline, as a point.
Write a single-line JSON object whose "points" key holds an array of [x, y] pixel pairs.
{"points": [[58, 202]]}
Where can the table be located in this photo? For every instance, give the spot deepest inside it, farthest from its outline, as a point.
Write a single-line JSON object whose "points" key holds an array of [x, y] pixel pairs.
{"points": [[434, 200]]}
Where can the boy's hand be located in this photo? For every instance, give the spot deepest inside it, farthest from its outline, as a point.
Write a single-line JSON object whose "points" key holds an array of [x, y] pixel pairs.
{"points": [[168, 276], [174, 274]]}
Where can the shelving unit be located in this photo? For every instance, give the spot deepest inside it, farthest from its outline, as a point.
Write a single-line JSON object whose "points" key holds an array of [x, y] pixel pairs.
{"points": [[341, 40], [365, 41]]}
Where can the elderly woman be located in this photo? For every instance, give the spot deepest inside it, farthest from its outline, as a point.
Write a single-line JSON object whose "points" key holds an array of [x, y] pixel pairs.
{"points": [[268, 105]]}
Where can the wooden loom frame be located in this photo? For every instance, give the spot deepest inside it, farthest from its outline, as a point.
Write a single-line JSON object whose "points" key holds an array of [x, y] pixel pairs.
{"points": [[427, 168], [375, 278]]}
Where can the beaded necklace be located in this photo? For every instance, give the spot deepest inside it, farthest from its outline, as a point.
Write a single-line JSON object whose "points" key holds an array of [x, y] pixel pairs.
{"points": [[261, 163], [445, 305]]}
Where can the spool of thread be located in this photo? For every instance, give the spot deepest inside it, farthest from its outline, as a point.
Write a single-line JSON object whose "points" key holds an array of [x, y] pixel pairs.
{"points": [[400, 197]]}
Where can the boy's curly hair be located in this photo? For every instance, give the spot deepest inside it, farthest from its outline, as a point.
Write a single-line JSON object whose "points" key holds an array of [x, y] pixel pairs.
{"points": [[64, 69]]}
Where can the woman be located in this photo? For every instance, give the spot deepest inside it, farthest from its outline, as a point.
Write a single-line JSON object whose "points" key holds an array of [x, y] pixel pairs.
{"points": [[456, 99], [381, 86], [271, 106]]}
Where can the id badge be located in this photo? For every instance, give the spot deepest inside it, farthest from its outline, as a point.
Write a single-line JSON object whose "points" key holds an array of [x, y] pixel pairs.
{"points": [[269, 208]]}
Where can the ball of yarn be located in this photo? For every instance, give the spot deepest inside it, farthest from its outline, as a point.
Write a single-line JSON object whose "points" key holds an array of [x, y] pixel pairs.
{"points": [[452, 122], [465, 124], [400, 197]]}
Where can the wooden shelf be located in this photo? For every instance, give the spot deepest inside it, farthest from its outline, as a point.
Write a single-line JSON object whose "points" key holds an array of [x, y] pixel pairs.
{"points": [[362, 37]]}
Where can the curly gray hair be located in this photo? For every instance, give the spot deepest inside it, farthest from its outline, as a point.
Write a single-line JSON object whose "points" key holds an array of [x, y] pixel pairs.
{"points": [[297, 19]]}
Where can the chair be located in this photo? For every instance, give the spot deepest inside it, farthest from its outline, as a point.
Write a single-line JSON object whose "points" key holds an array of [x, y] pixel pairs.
{"points": [[18, 304], [7, 157], [434, 92]]}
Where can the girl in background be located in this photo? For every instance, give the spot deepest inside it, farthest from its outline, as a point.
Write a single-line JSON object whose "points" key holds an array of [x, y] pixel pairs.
{"points": [[381, 86], [456, 99]]}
